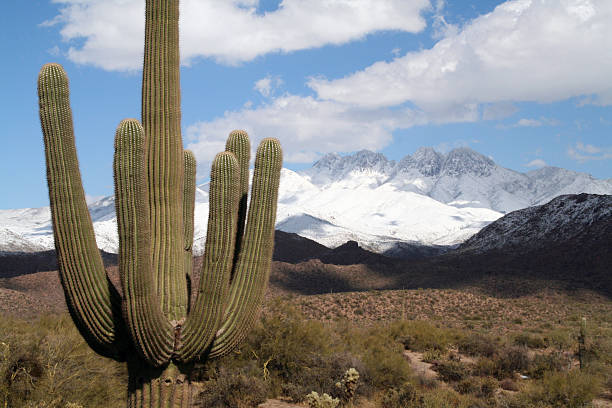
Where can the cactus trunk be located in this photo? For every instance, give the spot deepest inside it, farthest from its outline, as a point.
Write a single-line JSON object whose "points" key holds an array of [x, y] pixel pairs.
{"points": [[153, 324], [168, 387]]}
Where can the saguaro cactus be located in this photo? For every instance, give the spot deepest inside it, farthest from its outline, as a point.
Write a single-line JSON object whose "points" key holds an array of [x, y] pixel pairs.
{"points": [[153, 324]]}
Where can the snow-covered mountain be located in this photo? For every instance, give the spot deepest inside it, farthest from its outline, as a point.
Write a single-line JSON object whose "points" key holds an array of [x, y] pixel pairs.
{"points": [[461, 178], [561, 220], [428, 198]]}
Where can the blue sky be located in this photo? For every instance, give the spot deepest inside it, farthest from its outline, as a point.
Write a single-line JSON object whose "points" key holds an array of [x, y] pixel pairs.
{"points": [[526, 82]]}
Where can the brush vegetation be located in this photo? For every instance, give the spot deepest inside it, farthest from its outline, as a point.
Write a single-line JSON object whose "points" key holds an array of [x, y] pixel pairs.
{"points": [[45, 363]]}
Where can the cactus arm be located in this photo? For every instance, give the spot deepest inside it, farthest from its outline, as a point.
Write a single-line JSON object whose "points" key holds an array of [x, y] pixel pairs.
{"points": [[150, 330], [252, 270], [161, 119], [203, 320], [92, 300], [239, 144], [189, 188]]}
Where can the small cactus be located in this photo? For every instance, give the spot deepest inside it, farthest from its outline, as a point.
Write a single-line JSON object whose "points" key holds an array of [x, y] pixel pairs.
{"points": [[321, 401], [348, 385], [582, 343]]}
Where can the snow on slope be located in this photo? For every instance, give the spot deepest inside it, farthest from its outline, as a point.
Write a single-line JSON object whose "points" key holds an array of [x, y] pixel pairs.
{"points": [[376, 216], [427, 198], [559, 220]]}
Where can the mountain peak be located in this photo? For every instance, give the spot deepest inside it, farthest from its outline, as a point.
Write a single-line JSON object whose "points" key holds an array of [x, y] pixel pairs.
{"points": [[464, 160], [327, 162], [428, 161], [335, 167], [367, 159]]}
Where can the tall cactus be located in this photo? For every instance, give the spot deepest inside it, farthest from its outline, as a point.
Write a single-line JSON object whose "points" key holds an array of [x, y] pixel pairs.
{"points": [[153, 324]]}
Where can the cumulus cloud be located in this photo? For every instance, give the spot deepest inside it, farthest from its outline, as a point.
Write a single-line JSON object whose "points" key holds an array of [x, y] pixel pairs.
{"points": [[230, 31], [537, 163], [306, 126], [499, 110], [586, 152], [524, 50]]}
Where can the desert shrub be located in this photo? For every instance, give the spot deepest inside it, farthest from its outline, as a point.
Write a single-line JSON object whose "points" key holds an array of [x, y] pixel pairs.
{"points": [[404, 396], [543, 363], [46, 363], [485, 366], [527, 340], [447, 398], [467, 386], [296, 356], [431, 355], [420, 335], [508, 385], [487, 387], [425, 381], [561, 339], [481, 387], [477, 345], [232, 390], [451, 370], [573, 389], [384, 367], [509, 361], [503, 364]]}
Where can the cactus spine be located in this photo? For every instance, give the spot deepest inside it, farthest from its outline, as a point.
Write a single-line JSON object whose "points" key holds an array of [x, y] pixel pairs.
{"points": [[153, 324]]}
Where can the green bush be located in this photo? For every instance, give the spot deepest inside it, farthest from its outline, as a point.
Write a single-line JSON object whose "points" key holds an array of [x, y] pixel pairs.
{"points": [[447, 398], [543, 363], [526, 340], [451, 370], [46, 363], [509, 361], [384, 366], [233, 391], [402, 397], [508, 385], [467, 386], [420, 336], [478, 345], [573, 389], [297, 355], [487, 387]]}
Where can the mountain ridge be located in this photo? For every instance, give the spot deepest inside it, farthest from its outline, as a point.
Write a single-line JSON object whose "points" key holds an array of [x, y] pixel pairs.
{"points": [[425, 199]]}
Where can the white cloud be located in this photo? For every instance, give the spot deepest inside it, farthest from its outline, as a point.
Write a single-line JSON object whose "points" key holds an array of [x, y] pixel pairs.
{"points": [[537, 163], [588, 148], [499, 110], [306, 127], [528, 123], [586, 152], [441, 27], [264, 86], [524, 50], [55, 51], [267, 85], [230, 31]]}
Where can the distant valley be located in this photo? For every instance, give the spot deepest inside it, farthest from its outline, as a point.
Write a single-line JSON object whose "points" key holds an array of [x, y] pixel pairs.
{"points": [[564, 244]]}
